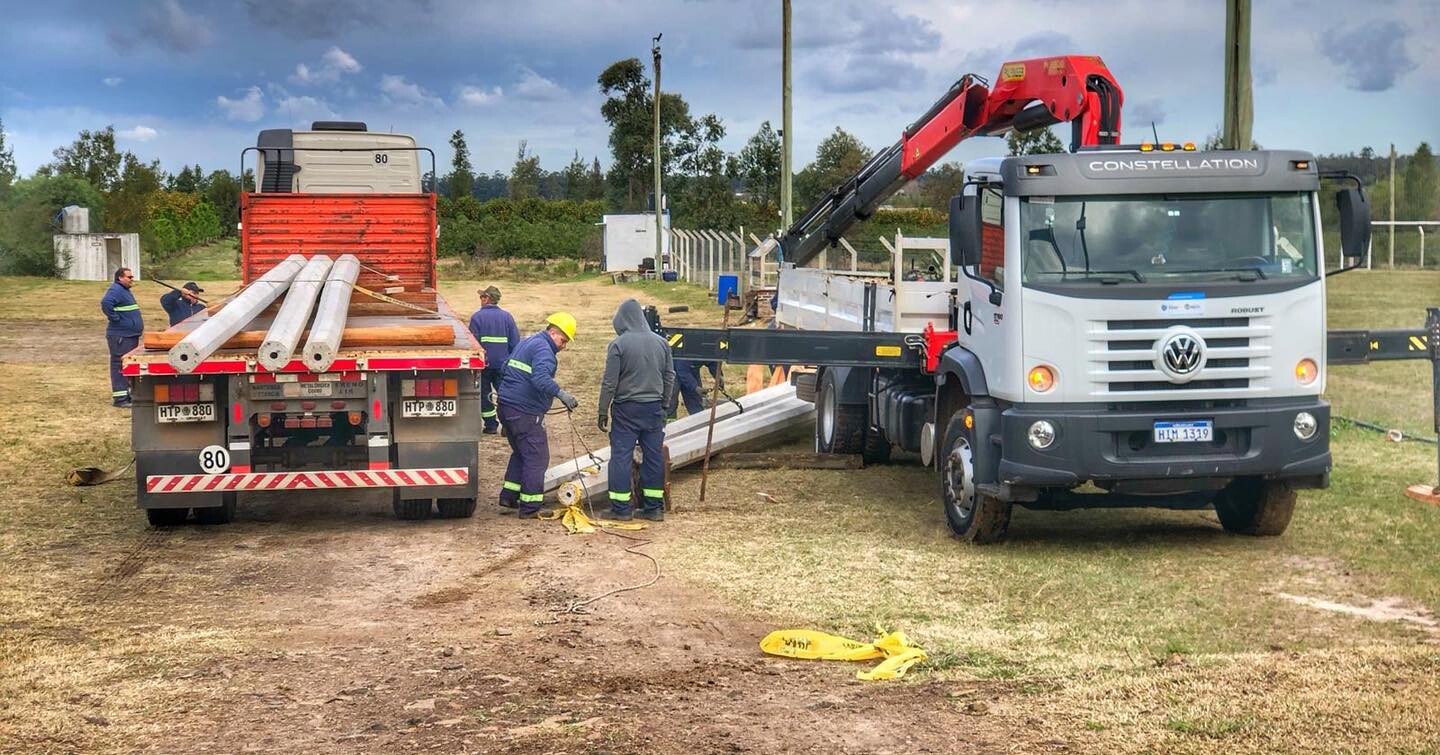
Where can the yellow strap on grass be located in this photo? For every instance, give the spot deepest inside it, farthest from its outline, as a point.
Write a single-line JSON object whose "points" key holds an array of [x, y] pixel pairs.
{"points": [[577, 523], [894, 647]]}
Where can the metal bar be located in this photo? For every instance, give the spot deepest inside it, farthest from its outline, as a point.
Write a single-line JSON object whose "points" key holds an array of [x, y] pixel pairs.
{"points": [[324, 342], [234, 316], [750, 346], [294, 315], [1363, 346]]}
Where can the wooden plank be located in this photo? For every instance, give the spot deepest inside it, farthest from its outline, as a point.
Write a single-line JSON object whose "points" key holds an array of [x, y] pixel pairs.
{"points": [[787, 461], [1424, 493], [391, 335]]}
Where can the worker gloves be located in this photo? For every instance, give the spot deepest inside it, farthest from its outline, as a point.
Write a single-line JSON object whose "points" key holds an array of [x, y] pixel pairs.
{"points": [[569, 401], [603, 423]]}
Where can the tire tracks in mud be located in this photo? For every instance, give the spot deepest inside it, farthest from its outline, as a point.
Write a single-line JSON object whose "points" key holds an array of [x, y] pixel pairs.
{"points": [[510, 553]]}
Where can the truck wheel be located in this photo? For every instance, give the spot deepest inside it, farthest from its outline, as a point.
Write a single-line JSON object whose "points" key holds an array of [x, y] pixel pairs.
{"points": [[410, 508], [222, 514], [1251, 506], [455, 508], [166, 517], [972, 516], [839, 428]]}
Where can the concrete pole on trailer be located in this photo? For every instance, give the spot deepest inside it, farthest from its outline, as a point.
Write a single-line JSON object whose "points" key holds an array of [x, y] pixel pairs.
{"points": [[1239, 104], [294, 315], [234, 316], [330, 316]]}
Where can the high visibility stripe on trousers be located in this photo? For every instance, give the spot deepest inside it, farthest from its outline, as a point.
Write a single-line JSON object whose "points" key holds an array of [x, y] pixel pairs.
{"points": [[489, 414], [616, 495], [532, 497], [653, 492], [513, 486]]}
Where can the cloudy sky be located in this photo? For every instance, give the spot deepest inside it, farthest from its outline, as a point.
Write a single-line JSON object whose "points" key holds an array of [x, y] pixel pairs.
{"points": [[194, 80]]}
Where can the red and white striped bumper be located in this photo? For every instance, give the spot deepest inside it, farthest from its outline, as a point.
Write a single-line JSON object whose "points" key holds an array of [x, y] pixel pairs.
{"points": [[253, 481]]}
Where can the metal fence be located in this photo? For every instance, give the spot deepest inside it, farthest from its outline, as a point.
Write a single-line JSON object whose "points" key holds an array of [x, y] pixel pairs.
{"points": [[1401, 241]]}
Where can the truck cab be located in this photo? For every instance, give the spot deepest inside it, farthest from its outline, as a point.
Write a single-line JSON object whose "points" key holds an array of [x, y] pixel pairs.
{"points": [[1151, 323]]}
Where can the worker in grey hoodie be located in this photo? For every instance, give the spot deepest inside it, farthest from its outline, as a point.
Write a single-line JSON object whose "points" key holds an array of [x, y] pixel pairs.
{"points": [[639, 381]]}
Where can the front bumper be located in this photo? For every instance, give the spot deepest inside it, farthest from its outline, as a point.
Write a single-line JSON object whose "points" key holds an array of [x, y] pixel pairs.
{"points": [[1096, 443]]}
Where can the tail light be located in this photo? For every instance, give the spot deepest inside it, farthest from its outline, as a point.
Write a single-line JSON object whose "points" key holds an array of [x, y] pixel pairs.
{"points": [[262, 419], [356, 418], [184, 393], [430, 388]]}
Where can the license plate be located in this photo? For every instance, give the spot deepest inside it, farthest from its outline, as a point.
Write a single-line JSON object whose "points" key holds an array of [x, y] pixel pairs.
{"points": [[167, 413], [1198, 431], [428, 407]]}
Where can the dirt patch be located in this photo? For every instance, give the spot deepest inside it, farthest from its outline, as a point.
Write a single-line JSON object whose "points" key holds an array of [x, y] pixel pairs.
{"points": [[1383, 609], [30, 341]]}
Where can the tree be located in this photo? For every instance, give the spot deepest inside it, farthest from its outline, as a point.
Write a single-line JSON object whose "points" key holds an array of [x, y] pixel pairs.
{"points": [[575, 176], [758, 167], [595, 187], [525, 175], [1041, 141], [92, 157], [27, 222], [7, 164], [939, 184], [1422, 194], [462, 175], [189, 180], [222, 191], [127, 209], [839, 156], [627, 108]]}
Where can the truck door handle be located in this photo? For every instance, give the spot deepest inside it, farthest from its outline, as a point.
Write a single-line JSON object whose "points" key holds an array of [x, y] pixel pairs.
{"points": [[967, 318]]}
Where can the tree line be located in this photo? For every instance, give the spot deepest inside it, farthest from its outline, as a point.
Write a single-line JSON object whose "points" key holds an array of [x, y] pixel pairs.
{"points": [[171, 212]]}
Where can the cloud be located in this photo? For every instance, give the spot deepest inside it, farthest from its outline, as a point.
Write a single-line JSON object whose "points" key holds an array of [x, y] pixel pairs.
{"points": [[1041, 44], [303, 110], [249, 108], [401, 91], [479, 97], [112, 81], [138, 134], [533, 86], [829, 25], [333, 64], [864, 73], [166, 25], [327, 19], [1373, 54], [1139, 115]]}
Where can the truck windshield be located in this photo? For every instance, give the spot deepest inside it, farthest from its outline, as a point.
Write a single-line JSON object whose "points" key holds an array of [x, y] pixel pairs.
{"points": [[1150, 238]]}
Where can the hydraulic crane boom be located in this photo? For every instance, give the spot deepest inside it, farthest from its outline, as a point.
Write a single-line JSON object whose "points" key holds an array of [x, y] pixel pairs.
{"points": [[1030, 94]]}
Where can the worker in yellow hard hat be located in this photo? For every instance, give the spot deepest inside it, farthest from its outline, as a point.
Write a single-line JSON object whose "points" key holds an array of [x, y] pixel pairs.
{"points": [[526, 391]]}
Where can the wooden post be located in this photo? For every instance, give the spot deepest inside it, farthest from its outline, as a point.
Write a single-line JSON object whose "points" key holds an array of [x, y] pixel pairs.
{"points": [[714, 403]]}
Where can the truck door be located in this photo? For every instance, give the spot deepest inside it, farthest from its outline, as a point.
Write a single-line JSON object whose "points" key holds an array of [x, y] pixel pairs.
{"points": [[982, 323]]}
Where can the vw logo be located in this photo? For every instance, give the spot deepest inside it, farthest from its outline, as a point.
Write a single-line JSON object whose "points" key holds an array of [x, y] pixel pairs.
{"points": [[1180, 355]]}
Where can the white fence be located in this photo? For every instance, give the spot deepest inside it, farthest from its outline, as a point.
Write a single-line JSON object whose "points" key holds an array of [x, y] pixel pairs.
{"points": [[1394, 226]]}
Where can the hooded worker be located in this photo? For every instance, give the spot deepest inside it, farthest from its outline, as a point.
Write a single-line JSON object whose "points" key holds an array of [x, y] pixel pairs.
{"points": [[122, 331], [527, 389], [638, 383], [495, 329]]}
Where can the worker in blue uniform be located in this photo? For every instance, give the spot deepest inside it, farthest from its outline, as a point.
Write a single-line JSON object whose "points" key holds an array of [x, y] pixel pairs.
{"points": [[638, 382], [526, 390], [687, 382], [122, 331], [495, 329], [182, 302]]}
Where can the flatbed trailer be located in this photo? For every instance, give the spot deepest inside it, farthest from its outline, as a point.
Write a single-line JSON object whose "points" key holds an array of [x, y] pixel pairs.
{"points": [[403, 418]]}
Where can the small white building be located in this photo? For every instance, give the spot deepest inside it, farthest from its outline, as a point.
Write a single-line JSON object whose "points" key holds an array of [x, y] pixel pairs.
{"points": [[628, 239], [96, 256]]}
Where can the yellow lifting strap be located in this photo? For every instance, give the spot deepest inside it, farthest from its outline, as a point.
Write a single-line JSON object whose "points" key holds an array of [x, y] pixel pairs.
{"points": [[898, 654], [577, 523]]}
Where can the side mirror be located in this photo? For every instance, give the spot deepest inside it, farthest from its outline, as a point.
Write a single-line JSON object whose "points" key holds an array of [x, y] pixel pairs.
{"points": [[965, 230], [1354, 225]]}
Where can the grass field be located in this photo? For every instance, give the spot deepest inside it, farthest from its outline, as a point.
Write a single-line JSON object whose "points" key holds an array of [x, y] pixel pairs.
{"points": [[1107, 631]]}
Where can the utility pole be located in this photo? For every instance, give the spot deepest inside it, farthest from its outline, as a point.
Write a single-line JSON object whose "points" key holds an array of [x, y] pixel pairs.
{"points": [[786, 211], [1391, 216], [1239, 105], [659, 194]]}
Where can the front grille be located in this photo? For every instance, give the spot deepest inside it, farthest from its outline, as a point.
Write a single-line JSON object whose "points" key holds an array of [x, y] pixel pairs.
{"points": [[1122, 354]]}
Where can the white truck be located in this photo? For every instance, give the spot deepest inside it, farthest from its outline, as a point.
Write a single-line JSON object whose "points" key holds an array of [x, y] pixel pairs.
{"points": [[1125, 325]]}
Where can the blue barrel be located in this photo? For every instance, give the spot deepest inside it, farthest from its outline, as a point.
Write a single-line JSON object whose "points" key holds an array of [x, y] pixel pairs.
{"points": [[668, 276], [727, 285]]}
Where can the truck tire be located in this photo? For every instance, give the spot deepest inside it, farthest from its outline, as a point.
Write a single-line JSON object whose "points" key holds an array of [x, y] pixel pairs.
{"points": [[972, 516], [410, 509], [222, 514], [839, 428], [455, 508], [1251, 506], [166, 517]]}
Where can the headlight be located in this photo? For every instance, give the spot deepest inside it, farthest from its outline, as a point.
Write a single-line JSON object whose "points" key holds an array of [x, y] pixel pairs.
{"points": [[1306, 371], [1041, 378], [1305, 425], [1041, 435]]}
